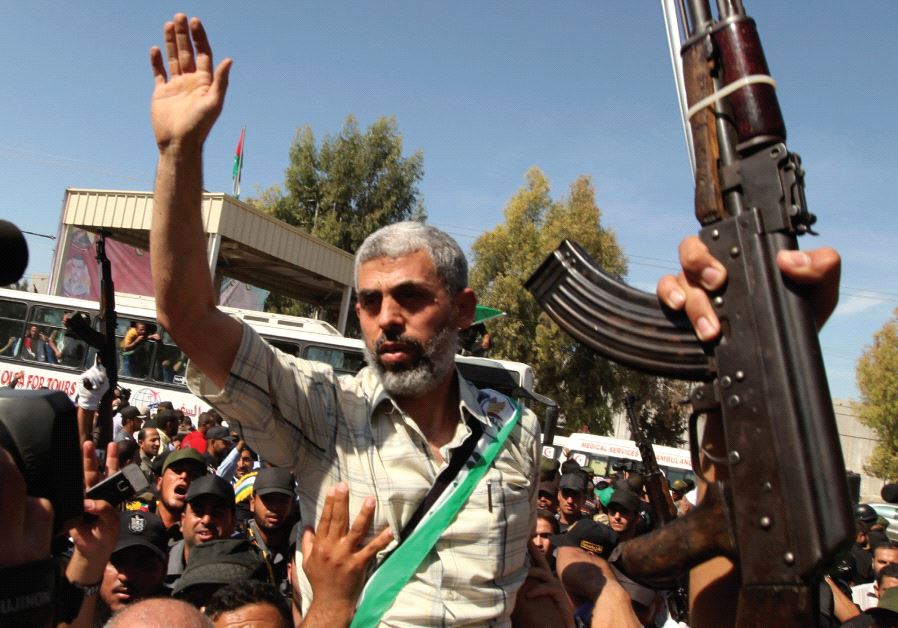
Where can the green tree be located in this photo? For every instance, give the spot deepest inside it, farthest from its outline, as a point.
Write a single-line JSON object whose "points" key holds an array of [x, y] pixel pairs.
{"points": [[877, 379], [349, 186], [588, 389]]}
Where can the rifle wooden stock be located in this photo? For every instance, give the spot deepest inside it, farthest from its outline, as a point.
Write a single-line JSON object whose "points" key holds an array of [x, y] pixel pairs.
{"points": [[659, 559]]}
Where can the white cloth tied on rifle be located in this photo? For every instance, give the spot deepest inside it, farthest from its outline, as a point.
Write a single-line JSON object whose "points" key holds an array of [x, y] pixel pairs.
{"points": [[92, 385]]}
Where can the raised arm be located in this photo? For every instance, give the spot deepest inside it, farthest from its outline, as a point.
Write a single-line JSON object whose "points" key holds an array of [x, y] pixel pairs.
{"points": [[185, 104]]}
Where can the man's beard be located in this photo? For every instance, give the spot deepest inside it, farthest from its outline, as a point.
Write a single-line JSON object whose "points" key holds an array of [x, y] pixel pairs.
{"points": [[430, 364]]}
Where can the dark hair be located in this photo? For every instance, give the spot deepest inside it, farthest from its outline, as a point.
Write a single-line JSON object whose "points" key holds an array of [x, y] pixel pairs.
{"points": [[243, 593], [205, 418], [164, 416], [635, 482], [569, 466], [126, 449], [142, 434], [885, 545], [545, 515], [889, 571]]}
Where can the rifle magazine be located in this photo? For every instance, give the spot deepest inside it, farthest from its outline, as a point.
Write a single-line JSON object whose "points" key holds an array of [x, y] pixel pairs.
{"points": [[618, 322]]}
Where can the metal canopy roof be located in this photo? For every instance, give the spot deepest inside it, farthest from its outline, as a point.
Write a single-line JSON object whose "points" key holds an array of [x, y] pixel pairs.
{"points": [[249, 245]]}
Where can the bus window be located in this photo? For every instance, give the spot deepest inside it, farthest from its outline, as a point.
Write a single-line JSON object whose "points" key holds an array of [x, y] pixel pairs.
{"points": [[12, 326], [170, 362], [135, 355], [289, 348], [47, 340], [343, 360]]}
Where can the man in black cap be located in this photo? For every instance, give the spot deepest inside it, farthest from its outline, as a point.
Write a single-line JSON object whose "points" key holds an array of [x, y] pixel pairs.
{"points": [[132, 421], [861, 555], [218, 443], [623, 513], [179, 469], [137, 565], [547, 497], [208, 516], [570, 499], [274, 512], [585, 572], [214, 564]]}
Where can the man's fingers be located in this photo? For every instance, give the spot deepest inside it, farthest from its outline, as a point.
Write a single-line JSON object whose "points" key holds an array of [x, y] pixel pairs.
{"points": [[670, 293], [201, 43], [184, 47], [377, 544], [699, 310], [220, 80], [340, 514], [171, 49], [361, 523], [89, 464], [112, 463], [821, 268], [700, 267], [324, 523], [307, 543], [158, 66]]}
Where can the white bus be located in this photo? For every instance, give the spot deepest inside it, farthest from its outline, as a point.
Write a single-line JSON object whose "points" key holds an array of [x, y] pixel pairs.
{"points": [[46, 357], [604, 452]]}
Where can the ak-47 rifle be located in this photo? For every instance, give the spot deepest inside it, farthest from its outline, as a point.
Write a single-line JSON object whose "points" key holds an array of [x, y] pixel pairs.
{"points": [[108, 352], [102, 341], [663, 507], [779, 504], [655, 481]]}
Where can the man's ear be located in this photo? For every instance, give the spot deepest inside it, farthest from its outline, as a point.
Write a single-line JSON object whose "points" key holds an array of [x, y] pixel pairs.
{"points": [[465, 305]]}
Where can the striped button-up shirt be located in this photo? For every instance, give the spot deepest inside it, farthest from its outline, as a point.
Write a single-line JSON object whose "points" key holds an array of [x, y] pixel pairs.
{"points": [[329, 429]]}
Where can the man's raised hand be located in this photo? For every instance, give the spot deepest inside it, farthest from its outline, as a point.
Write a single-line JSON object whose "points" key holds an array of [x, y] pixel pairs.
{"points": [[188, 99], [334, 559]]}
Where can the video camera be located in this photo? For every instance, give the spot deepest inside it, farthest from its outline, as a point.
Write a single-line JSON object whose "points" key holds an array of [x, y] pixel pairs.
{"points": [[39, 429]]}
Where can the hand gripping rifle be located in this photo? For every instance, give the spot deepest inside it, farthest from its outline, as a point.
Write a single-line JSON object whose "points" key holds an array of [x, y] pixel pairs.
{"points": [[779, 503]]}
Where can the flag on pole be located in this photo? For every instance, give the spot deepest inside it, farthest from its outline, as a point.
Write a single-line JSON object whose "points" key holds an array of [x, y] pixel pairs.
{"points": [[483, 313], [238, 164]]}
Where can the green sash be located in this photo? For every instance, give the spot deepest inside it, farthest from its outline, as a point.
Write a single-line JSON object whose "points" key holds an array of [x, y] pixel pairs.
{"points": [[382, 589]]}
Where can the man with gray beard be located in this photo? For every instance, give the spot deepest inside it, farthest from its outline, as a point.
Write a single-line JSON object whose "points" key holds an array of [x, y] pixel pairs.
{"points": [[387, 432]]}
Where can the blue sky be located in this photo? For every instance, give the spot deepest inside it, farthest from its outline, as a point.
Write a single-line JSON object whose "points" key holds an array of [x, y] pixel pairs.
{"points": [[485, 90]]}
